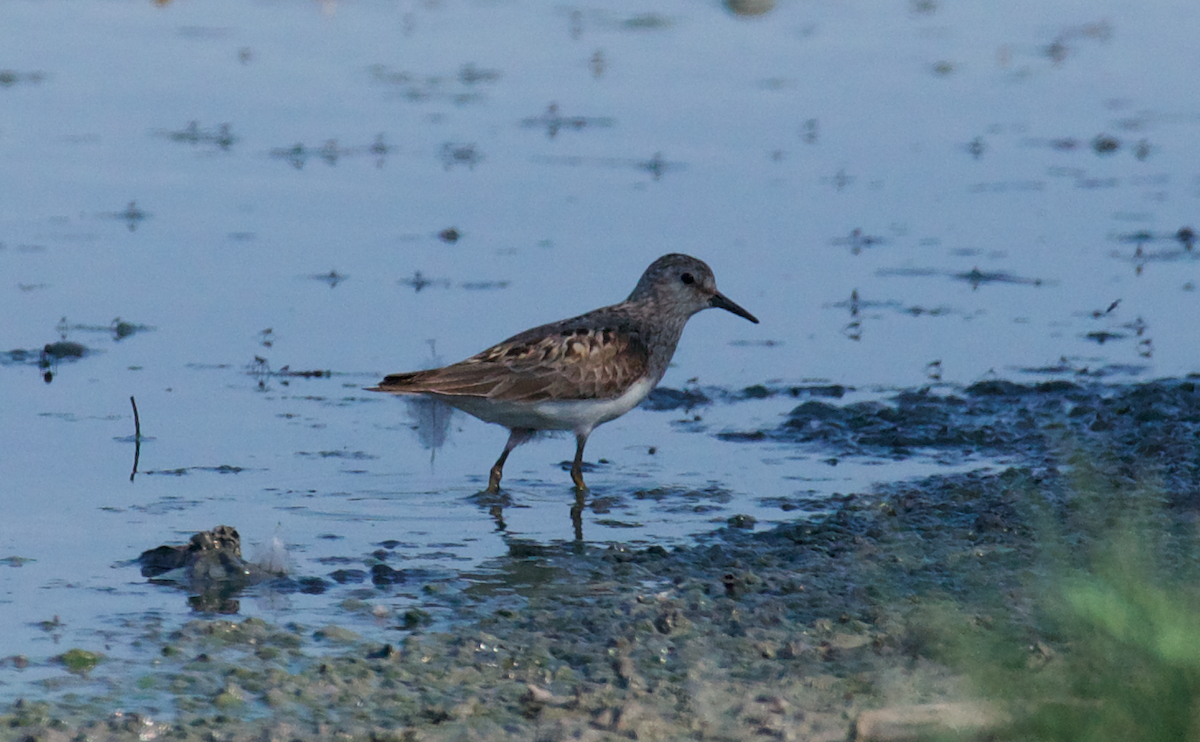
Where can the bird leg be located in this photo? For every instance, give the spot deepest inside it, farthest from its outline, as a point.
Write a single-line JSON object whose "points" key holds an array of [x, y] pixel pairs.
{"points": [[577, 467], [516, 437]]}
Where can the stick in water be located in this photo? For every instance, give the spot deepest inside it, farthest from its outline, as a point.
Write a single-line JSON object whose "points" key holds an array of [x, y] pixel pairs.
{"points": [[137, 438]]}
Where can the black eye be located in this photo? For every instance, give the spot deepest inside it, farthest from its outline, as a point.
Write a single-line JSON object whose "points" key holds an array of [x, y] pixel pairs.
{"points": [[687, 278]]}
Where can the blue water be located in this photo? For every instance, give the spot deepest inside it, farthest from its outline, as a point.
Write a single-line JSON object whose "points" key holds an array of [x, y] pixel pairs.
{"points": [[905, 194]]}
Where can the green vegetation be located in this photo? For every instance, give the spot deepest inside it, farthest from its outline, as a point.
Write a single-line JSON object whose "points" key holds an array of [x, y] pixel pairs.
{"points": [[79, 661], [1109, 648]]}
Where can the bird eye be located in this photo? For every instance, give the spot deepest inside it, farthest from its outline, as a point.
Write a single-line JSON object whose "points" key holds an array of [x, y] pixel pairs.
{"points": [[687, 278]]}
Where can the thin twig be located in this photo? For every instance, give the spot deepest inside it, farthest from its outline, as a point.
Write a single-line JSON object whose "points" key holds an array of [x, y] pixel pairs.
{"points": [[137, 438]]}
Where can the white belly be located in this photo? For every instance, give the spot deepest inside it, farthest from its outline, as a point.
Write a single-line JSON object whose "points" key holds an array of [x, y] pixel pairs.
{"points": [[576, 415]]}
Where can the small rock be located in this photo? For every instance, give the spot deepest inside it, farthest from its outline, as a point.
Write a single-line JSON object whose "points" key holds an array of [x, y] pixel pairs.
{"points": [[348, 576], [381, 574], [742, 521]]}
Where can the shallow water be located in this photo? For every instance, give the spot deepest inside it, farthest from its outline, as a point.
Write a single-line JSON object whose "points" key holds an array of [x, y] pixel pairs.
{"points": [[916, 194]]}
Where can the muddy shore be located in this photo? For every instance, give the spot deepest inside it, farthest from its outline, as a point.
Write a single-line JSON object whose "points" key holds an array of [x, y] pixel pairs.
{"points": [[947, 590]]}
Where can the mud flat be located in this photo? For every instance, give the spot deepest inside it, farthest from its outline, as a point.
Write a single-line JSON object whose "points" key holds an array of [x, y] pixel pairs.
{"points": [[1004, 602]]}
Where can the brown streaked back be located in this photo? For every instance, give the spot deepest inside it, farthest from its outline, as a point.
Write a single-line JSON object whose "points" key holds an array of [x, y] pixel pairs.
{"points": [[567, 360]]}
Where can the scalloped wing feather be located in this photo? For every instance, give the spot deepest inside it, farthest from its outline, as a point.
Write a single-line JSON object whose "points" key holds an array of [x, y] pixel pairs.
{"points": [[560, 362]]}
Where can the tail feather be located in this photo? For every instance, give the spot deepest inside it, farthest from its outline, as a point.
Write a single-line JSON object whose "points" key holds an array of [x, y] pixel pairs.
{"points": [[449, 381], [409, 382]]}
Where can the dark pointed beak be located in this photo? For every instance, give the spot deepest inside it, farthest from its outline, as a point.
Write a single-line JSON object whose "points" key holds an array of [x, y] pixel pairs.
{"points": [[719, 301]]}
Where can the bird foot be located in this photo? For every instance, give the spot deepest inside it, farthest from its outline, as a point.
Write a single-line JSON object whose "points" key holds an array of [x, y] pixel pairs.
{"points": [[493, 487]]}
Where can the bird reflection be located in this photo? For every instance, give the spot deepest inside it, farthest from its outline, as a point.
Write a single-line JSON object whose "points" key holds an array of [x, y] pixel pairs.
{"points": [[431, 418]]}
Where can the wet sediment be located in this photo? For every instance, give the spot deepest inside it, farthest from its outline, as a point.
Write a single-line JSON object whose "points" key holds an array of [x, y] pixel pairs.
{"points": [[789, 633]]}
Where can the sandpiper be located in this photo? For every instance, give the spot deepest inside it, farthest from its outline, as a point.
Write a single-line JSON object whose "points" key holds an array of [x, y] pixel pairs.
{"points": [[576, 373]]}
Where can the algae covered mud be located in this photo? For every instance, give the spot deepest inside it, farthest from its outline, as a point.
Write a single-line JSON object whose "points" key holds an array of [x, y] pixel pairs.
{"points": [[951, 605]]}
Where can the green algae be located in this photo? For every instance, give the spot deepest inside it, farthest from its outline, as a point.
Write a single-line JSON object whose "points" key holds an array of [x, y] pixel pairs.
{"points": [[79, 661]]}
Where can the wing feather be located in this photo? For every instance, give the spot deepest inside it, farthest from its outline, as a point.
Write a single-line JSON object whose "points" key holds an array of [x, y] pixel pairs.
{"points": [[584, 358]]}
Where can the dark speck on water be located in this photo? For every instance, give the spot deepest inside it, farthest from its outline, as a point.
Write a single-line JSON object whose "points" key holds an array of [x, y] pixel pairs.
{"points": [[64, 349]]}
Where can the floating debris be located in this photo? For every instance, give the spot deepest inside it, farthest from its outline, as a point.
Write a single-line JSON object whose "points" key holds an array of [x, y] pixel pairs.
{"points": [[419, 281], [656, 166], [184, 470], [1138, 326], [260, 369], [810, 131], [749, 8], [1185, 237], [118, 328], [647, 22], [64, 349], [469, 74], [333, 278], [47, 358], [454, 154], [1104, 144], [331, 152], [840, 180], [1098, 313], [483, 285], [1101, 144], [1081, 368], [317, 374], [131, 215], [975, 277], [222, 136], [1100, 337], [8, 78], [553, 122], [347, 455], [857, 241], [460, 87], [296, 155], [855, 305], [379, 149], [1006, 186]]}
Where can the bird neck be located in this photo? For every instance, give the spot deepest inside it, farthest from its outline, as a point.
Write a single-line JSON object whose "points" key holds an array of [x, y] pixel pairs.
{"points": [[661, 336]]}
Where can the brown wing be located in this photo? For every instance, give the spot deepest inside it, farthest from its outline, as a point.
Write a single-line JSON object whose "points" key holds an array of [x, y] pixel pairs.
{"points": [[565, 360]]}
